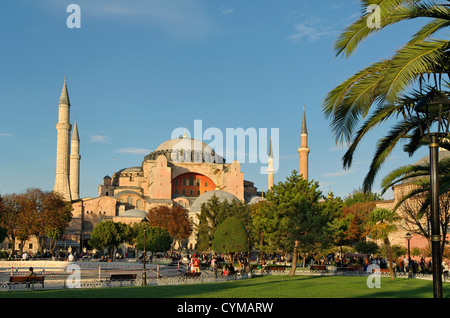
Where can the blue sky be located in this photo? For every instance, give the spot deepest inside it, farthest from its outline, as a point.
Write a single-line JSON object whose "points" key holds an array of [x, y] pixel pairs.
{"points": [[136, 70]]}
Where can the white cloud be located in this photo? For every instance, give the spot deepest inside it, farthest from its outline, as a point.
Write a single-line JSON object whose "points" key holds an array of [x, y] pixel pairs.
{"points": [[338, 147], [308, 32], [338, 173], [5, 135], [98, 138], [136, 151], [181, 18], [228, 11]]}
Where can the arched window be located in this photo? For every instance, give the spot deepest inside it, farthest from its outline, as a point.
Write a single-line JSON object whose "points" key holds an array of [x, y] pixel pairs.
{"points": [[130, 200]]}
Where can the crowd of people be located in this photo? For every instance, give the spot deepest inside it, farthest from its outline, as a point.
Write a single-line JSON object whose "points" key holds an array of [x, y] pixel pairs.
{"points": [[402, 264], [218, 263]]}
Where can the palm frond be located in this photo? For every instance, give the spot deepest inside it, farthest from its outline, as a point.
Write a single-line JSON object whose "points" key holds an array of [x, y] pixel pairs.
{"points": [[383, 113], [409, 63], [354, 34], [345, 104], [403, 173], [384, 148]]}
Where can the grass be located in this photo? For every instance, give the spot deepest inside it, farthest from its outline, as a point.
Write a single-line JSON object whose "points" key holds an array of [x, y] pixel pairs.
{"points": [[257, 287]]}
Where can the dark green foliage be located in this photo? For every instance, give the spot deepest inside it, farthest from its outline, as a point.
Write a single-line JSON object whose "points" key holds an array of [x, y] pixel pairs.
{"points": [[230, 237], [370, 248], [213, 213], [108, 234], [157, 239]]}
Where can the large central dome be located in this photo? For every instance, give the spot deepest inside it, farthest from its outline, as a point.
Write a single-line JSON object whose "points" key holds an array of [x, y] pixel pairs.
{"points": [[186, 149]]}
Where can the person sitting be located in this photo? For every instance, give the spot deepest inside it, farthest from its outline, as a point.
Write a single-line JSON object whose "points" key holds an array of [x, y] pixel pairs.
{"points": [[226, 270], [31, 272]]}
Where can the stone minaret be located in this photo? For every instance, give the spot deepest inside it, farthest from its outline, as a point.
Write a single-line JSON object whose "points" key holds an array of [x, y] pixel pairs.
{"points": [[63, 128], [75, 163], [270, 169], [303, 151]]}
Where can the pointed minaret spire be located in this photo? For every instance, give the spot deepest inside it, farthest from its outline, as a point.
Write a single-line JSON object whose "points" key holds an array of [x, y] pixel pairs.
{"points": [[63, 128], [75, 131], [303, 151], [75, 163], [304, 130], [64, 99], [270, 169]]}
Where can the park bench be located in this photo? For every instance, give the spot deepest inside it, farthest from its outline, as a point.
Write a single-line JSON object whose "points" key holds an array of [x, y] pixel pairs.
{"points": [[27, 280], [276, 268], [192, 274], [381, 270], [318, 267], [122, 277]]}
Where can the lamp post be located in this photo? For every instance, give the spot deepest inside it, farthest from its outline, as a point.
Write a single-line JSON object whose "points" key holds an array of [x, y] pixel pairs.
{"points": [[144, 271], [431, 109], [408, 237]]}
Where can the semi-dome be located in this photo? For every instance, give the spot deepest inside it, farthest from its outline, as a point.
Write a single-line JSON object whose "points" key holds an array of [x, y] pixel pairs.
{"points": [[133, 213], [255, 199], [185, 149], [205, 197], [442, 154]]}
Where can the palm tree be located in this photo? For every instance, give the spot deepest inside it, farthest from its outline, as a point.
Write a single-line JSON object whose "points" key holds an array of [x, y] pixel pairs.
{"points": [[380, 91], [380, 225]]}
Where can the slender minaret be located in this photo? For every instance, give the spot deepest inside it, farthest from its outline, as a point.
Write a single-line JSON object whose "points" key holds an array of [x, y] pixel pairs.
{"points": [[75, 163], [63, 128], [303, 151], [270, 169]]}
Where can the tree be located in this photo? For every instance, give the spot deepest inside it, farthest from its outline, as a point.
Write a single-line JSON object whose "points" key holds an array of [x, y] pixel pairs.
{"points": [[295, 217], [174, 219], [380, 92], [214, 212], [364, 247], [359, 196], [109, 235], [208, 222], [35, 213], [260, 215], [230, 237], [380, 225], [45, 214], [157, 239], [9, 216]]}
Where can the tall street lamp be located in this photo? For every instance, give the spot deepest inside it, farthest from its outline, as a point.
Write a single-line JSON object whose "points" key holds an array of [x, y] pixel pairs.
{"points": [[408, 237], [434, 108], [144, 271]]}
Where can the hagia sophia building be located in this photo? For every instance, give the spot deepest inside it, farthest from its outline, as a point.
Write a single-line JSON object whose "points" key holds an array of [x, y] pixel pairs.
{"points": [[163, 178]]}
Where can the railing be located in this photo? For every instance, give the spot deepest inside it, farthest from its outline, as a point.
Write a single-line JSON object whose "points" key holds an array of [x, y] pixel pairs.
{"points": [[105, 283]]}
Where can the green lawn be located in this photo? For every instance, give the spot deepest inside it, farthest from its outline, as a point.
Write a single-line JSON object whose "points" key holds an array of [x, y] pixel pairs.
{"points": [[257, 287]]}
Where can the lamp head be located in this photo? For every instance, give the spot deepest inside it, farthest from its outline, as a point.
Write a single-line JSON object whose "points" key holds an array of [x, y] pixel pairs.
{"points": [[433, 102]]}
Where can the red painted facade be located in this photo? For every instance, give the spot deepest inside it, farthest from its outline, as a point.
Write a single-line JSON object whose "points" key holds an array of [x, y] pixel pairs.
{"points": [[191, 185]]}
